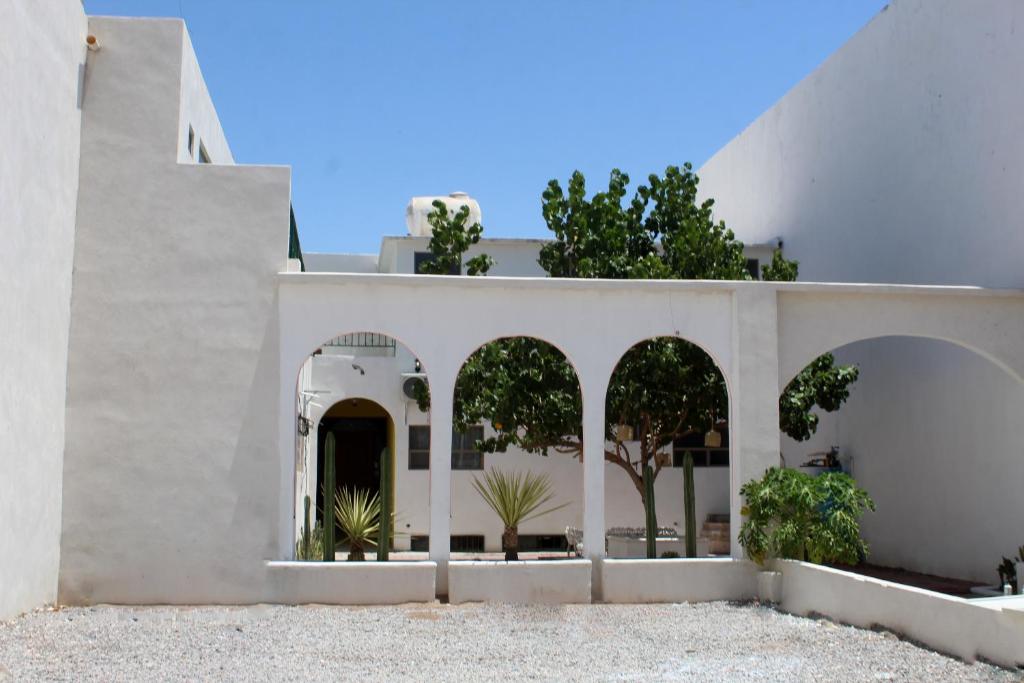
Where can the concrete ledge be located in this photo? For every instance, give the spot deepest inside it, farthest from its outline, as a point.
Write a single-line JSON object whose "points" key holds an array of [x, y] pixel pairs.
{"points": [[531, 581], [964, 628], [678, 580], [350, 583]]}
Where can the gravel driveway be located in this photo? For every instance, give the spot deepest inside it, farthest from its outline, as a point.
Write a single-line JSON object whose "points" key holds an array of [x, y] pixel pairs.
{"points": [[699, 642]]}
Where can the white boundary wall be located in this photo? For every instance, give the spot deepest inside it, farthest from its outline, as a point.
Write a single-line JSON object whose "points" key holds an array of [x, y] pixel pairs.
{"points": [[678, 580], [530, 581], [42, 55], [350, 583], [966, 629]]}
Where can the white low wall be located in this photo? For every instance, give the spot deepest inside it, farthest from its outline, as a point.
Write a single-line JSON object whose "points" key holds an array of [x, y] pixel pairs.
{"points": [[963, 628], [531, 581], [678, 580], [350, 583]]}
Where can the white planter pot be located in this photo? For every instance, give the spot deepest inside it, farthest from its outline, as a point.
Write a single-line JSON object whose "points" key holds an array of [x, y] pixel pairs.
{"points": [[769, 586]]}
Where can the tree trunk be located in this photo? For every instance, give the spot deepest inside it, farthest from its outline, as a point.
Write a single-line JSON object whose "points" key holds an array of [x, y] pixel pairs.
{"points": [[510, 543], [355, 553]]}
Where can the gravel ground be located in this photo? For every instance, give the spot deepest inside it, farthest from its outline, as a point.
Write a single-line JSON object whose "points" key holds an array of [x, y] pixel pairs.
{"points": [[700, 642]]}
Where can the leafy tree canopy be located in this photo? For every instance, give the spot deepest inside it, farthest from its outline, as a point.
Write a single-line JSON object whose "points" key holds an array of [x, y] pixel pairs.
{"points": [[663, 388], [450, 239]]}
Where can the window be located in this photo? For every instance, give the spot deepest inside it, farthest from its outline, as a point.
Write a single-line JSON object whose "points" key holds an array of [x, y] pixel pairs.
{"points": [[419, 447], [465, 456], [191, 142], [421, 257], [419, 544], [702, 455], [204, 157], [466, 544], [537, 542], [753, 267]]}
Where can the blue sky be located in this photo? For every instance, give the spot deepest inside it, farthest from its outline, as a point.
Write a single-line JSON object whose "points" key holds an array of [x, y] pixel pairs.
{"points": [[371, 103]]}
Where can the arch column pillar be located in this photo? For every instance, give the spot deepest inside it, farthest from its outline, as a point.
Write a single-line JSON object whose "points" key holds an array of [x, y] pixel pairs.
{"points": [[753, 396], [442, 395], [593, 379]]}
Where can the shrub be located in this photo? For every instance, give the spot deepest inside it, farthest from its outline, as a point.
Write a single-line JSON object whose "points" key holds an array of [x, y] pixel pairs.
{"points": [[792, 515]]}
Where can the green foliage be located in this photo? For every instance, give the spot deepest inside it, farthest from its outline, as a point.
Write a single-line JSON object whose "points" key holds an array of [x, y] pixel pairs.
{"points": [[823, 384], [670, 555], [780, 269], [515, 498], [358, 515], [666, 387], [689, 505], [1008, 571], [329, 494], [529, 393], [384, 533], [450, 239], [792, 515], [310, 545]]}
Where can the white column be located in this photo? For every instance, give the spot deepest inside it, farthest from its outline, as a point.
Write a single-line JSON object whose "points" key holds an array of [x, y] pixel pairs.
{"points": [[753, 397], [593, 476], [441, 397]]}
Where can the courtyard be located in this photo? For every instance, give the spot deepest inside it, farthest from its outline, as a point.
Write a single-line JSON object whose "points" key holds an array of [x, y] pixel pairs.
{"points": [[694, 642]]}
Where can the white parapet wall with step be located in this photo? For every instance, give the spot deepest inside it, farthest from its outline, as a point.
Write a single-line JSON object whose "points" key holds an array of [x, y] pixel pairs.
{"points": [[350, 583], [969, 629], [530, 581], [678, 580]]}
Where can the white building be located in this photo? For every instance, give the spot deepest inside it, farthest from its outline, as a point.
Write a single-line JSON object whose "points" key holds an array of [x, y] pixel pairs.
{"points": [[153, 368]]}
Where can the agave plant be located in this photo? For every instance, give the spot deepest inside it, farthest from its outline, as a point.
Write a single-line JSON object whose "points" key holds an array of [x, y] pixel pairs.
{"points": [[357, 514], [515, 498]]}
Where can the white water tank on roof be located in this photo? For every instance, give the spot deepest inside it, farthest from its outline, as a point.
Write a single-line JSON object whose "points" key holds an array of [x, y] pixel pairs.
{"points": [[420, 207]]}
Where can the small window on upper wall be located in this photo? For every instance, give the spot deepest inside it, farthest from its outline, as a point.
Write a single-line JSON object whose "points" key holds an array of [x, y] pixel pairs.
{"points": [[753, 267], [421, 257], [204, 156], [191, 142]]}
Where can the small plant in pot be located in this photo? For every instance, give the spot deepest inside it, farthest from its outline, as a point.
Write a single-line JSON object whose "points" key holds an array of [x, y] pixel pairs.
{"points": [[515, 498]]}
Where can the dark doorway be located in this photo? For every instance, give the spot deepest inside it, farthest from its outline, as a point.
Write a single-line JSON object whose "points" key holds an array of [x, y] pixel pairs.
{"points": [[358, 445]]}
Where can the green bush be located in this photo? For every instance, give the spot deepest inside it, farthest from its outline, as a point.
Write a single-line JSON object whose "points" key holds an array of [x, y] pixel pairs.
{"points": [[791, 515]]}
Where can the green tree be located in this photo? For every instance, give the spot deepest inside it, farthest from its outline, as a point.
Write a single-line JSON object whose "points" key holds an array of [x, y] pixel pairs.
{"points": [[665, 388], [450, 238]]}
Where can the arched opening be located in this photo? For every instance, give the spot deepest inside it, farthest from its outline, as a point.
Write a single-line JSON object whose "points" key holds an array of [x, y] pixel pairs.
{"points": [[932, 431], [360, 390], [667, 404], [364, 435], [517, 417]]}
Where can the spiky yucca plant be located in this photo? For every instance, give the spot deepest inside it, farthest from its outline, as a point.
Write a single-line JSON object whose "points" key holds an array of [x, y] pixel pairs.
{"points": [[358, 516], [515, 498]]}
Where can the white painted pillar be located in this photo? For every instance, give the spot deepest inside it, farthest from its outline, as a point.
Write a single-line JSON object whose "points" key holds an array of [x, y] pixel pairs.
{"points": [[753, 394], [441, 398], [593, 474]]}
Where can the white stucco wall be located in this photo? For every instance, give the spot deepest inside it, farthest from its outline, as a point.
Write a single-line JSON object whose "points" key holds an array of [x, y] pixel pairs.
{"points": [[42, 51], [900, 160], [171, 491]]}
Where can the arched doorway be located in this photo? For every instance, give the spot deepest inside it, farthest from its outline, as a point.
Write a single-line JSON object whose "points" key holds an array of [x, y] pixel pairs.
{"points": [[362, 430]]}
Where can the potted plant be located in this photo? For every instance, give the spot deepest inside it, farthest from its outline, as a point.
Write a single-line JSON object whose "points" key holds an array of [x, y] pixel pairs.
{"points": [[515, 498]]}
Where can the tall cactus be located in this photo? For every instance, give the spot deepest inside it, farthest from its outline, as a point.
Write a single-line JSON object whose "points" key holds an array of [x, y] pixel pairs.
{"points": [[306, 541], [652, 517], [330, 483], [384, 533], [689, 505]]}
